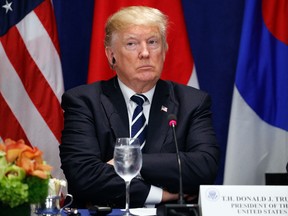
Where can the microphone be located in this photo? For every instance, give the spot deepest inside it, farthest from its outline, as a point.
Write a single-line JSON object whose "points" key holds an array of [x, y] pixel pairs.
{"points": [[180, 209], [172, 120]]}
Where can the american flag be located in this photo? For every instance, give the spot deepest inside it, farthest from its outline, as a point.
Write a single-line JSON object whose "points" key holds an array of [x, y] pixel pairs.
{"points": [[31, 82]]}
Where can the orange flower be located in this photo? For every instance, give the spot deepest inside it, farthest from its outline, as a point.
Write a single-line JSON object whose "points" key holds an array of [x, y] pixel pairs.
{"points": [[31, 161], [13, 149], [2, 147], [26, 157]]}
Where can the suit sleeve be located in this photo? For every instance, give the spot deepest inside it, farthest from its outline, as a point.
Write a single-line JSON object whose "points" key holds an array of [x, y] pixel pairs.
{"points": [[86, 146], [198, 150]]}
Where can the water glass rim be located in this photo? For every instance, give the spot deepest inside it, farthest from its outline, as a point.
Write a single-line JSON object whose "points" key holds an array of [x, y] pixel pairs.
{"points": [[129, 141]]}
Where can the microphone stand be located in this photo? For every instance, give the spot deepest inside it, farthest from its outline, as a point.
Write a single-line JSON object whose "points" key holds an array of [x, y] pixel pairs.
{"points": [[180, 209], [181, 199]]}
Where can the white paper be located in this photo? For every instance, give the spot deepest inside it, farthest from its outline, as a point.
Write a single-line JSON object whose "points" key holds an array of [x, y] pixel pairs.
{"points": [[142, 211]]}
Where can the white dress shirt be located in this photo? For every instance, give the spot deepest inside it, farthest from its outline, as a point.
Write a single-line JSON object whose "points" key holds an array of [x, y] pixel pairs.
{"points": [[155, 194]]}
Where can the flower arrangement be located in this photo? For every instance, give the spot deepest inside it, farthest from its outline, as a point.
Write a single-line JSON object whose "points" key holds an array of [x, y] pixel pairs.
{"points": [[24, 175]]}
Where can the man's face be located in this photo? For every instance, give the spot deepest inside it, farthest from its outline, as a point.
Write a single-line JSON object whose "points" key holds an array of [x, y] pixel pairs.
{"points": [[139, 56]]}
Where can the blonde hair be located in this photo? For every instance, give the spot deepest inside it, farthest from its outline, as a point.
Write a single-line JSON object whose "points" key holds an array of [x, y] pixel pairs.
{"points": [[136, 15]]}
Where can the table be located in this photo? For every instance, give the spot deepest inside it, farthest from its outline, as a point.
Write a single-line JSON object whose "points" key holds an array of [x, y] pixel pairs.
{"points": [[118, 212], [85, 212]]}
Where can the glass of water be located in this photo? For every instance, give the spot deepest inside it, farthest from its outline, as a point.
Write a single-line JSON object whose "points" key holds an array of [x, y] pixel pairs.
{"points": [[127, 162]]}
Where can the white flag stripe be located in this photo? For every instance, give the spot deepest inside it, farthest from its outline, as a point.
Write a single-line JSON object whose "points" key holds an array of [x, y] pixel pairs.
{"points": [[39, 134], [193, 81], [246, 131], [42, 50]]}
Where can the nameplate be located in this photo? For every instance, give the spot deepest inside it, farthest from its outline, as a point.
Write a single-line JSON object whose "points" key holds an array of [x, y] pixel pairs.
{"points": [[228, 200]]}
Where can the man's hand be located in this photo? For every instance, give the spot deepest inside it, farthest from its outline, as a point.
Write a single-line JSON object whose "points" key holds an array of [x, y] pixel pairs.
{"points": [[111, 162], [167, 196]]}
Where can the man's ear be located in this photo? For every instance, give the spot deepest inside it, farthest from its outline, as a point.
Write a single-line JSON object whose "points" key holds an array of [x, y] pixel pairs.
{"points": [[110, 56]]}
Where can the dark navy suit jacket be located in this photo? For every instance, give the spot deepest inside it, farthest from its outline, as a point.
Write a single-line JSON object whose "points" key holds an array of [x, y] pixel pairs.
{"points": [[96, 114]]}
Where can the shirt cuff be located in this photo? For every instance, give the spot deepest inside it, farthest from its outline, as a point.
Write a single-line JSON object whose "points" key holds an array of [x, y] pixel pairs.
{"points": [[154, 196]]}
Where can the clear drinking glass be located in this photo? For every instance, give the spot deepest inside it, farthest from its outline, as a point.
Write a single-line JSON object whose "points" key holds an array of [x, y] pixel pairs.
{"points": [[127, 162]]}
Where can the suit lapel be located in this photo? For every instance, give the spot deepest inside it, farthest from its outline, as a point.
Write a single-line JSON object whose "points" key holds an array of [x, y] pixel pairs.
{"points": [[163, 104], [114, 106]]}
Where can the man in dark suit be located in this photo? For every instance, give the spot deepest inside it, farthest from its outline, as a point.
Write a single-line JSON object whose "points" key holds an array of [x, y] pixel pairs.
{"points": [[96, 114]]}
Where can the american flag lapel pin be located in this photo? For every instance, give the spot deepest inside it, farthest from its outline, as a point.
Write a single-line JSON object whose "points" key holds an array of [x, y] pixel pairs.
{"points": [[164, 109]]}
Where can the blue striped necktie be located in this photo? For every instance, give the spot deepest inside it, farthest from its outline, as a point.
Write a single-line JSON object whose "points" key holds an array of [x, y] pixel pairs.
{"points": [[139, 125]]}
